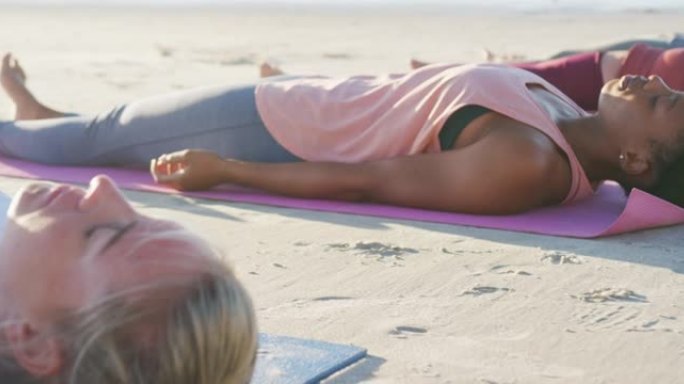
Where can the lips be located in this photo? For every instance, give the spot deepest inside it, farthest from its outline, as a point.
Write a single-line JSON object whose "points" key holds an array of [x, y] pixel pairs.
{"points": [[56, 192], [63, 196]]}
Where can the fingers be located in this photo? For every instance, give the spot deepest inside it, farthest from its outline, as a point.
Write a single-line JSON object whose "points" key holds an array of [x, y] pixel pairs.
{"points": [[170, 162], [189, 169], [165, 173], [173, 157], [169, 168]]}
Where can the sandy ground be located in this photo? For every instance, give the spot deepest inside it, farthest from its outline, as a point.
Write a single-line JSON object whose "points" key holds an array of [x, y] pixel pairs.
{"points": [[432, 303]]}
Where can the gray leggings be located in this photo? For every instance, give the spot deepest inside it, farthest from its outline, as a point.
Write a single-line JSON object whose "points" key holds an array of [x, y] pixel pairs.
{"points": [[220, 119]]}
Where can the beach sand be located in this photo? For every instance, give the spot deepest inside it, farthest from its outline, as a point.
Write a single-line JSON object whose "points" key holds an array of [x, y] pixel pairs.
{"points": [[432, 303]]}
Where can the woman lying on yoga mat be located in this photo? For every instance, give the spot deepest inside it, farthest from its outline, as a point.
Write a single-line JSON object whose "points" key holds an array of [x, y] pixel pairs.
{"points": [[93, 292], [581, 75], [483, 139]]}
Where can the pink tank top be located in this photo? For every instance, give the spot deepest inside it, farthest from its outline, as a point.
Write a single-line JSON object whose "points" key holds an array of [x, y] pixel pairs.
{"points": [[378, 117]]}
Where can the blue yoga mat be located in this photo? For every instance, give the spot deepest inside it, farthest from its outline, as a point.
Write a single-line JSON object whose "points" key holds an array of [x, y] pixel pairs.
{"points": [[290, 360]]}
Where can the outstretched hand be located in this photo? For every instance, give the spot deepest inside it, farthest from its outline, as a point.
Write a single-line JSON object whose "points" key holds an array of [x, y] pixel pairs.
{"points": [[188, 170]]}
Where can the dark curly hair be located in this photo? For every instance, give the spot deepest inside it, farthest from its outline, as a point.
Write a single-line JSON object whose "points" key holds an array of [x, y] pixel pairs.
{"points": [[670, 185], [669, 166]]}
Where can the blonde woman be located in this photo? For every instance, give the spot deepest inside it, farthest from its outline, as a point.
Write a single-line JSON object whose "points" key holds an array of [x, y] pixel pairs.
{"points": [[94, 292]]}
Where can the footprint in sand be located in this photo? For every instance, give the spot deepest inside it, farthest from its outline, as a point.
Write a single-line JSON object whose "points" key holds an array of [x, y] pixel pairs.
{"points": [[374, 249], [559, 258], [605, 314], [484, 290], [507, 270], [611, 294], [453, 252], [332, 298], [630, 319], [608, 317], [405, 331], [662, 324]]}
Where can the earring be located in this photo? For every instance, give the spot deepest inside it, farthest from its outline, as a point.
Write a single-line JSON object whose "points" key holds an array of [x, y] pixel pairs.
{"points": [[622, 157]]}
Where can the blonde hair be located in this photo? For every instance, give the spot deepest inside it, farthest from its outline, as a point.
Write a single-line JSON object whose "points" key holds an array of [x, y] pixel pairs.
{"points": [[207, 336]]}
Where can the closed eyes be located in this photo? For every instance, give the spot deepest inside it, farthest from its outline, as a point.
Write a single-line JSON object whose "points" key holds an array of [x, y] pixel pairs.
{"points": [[672, 98], [654, 100], [119, 231]]}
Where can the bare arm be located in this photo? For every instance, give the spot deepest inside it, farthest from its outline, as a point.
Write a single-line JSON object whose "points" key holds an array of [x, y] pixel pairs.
{"points": [[489, 177]]}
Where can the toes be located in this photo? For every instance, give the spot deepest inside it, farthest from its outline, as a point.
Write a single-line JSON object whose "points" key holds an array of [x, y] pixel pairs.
{"points": [[267, 69], [12, 68], [415, 63], [6, 59], [20, 71], [12, 61]]}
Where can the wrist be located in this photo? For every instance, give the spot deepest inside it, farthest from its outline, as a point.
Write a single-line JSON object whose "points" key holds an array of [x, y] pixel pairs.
{"points": [[230, 170]]}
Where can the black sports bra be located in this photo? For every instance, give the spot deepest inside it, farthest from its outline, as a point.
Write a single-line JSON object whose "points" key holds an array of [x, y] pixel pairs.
{"points": [[457, 122]]}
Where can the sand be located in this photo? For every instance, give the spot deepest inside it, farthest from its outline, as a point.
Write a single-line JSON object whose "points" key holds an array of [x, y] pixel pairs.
{"points": [[432, 303]]}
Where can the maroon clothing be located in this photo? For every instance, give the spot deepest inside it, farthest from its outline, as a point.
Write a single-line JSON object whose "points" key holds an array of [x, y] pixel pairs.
{"points": [[666, 63], [578, 76]]}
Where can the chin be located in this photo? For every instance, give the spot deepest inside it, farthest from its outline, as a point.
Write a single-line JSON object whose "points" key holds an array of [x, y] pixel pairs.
{"points": [[609, 91], [610, 84]]}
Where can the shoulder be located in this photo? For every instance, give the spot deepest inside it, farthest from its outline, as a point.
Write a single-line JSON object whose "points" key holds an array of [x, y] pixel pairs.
{"points": [[511, 169], [536, 165], [549, 167]]}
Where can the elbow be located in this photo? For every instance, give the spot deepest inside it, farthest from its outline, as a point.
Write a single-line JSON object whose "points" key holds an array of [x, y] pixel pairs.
{"points": [[366, 187], [364, 192]]}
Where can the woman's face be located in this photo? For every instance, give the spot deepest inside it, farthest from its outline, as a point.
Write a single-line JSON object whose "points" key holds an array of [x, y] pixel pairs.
{"points": [[64, 247], [642, 110]]}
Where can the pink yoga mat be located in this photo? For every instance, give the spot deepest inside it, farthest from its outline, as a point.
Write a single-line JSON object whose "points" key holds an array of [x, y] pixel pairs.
{"points": [[608, 212]]}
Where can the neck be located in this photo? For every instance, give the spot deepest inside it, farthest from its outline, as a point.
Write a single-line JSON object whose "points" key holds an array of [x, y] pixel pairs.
{"points": [[595, 149]]}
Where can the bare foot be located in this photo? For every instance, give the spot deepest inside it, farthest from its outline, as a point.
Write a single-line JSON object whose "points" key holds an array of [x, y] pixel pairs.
{"points": [[13, 81], [415, 64], [269, 70]]}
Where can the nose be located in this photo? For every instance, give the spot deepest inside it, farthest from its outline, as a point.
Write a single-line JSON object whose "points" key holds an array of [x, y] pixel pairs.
{"points": [[103, 195]]}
